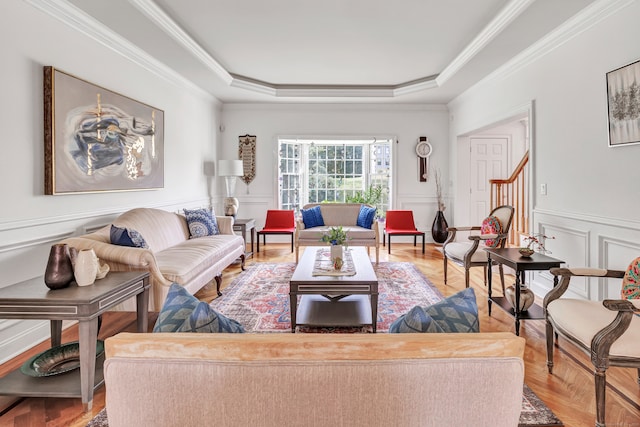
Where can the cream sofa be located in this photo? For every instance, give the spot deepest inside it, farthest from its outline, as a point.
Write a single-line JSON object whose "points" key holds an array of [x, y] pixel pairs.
{"points": [[350, 380], [171, 256], [338, 214]]}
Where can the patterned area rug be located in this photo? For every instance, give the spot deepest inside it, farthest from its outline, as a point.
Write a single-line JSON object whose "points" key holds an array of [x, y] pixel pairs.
{"points": [[534, 413], [259, 298]]}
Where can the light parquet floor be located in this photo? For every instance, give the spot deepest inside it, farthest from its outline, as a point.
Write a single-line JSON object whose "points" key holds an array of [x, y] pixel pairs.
{"points": [[569, 392]]}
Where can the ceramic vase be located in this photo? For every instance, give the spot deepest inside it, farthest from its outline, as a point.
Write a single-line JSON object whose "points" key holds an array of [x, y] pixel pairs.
{"points": [[59, 271], [86, 267], [336, 252], [526, 297], [439, 228]]}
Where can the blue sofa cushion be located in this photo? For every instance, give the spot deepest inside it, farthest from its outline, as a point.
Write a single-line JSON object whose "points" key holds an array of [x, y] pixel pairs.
{"points": [[312, 217], [201, 222], [365, 217], [182, 312], [125, 237], [457, 313]]}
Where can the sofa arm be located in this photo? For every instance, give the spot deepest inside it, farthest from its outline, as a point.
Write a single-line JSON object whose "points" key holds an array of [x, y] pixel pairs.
{"points": [[225, 224], [133, 258]]}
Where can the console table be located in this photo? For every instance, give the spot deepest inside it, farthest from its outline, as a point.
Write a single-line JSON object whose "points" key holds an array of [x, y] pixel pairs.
{"points": [[244, 225], [512, 258], [32, 299]]}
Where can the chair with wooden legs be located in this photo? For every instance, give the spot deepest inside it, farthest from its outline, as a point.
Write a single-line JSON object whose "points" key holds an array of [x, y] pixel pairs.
{"points": [[278, 222], [607, 330], [493, 233]]}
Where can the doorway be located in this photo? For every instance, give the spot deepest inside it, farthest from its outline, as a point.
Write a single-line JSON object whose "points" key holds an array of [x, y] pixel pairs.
{"points": [[492, 152]]}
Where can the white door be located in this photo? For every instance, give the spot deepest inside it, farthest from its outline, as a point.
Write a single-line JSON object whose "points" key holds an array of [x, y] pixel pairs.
{"points": [[489, 160]]}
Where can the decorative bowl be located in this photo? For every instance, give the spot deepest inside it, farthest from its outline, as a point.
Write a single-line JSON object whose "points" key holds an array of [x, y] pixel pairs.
{"points": [[57, 360], [526, 252]]}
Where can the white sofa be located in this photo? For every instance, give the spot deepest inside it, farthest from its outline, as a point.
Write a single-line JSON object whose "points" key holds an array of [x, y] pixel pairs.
{"points": [[314, 380], [338, 214], [171, 257]]}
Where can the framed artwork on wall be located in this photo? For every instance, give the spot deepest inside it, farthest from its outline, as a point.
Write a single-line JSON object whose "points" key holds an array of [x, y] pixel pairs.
{"points": [[623, 95], [97, 140], [247, 153]]}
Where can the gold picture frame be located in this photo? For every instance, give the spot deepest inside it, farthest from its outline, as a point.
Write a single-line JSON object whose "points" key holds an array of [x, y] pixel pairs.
{"points": [[98, 140]]}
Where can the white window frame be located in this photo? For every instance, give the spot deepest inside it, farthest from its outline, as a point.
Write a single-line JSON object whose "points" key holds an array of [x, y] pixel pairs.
{"points": [[334, 140]]}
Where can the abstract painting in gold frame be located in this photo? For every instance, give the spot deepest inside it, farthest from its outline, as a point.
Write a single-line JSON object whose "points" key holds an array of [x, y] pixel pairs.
{"points": [[98, 140]]}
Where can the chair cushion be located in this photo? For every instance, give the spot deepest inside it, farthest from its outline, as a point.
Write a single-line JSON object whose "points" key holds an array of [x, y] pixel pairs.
{"points": [[631, 281], [366, 215], [126, 237], [582, 319], [491, 225], [312, 217], [201, 222], [457, 313], [457, 250], [182, 312]]}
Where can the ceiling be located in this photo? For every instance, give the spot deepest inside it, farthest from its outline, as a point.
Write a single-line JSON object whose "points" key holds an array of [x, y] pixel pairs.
{"points": [[405, 51]]}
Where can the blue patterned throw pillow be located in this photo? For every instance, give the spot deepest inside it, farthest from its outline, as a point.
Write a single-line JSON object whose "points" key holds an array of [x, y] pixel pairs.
{"points": [[312, 217], [125, 237], [457, 313], [201, 222], [365, 217], [182, 312]]}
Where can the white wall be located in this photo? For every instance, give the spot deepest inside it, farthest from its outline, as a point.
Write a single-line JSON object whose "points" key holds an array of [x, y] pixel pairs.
{"points": [[405, 122], [592, 203], [30, 221]]}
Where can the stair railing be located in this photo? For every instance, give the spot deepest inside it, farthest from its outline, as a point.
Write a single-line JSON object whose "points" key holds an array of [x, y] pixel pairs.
{"points": [[513, 191]]}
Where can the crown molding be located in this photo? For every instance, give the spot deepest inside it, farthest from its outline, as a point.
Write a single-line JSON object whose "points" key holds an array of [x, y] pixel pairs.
{"points": [[585, 19], [169, 26], [80, 21], [510, 12]]}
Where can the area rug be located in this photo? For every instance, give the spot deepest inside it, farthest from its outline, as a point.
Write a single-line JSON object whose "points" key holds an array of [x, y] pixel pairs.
{"points": [[259, 297], [534, 413]]}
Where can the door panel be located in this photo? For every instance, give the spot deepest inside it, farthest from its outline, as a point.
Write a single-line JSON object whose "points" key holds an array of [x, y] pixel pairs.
{"points": [[489, 160]]}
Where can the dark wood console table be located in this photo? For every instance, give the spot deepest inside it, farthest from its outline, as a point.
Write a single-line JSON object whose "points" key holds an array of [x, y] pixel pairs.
{"points": [[32, 299], [512, 258]]}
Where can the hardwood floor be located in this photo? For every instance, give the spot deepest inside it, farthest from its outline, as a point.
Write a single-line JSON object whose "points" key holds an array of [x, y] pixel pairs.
{"points": [[569, 392]]}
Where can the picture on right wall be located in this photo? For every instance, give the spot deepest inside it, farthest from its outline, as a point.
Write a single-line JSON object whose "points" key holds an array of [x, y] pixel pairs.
{"points": [[623, 94]]}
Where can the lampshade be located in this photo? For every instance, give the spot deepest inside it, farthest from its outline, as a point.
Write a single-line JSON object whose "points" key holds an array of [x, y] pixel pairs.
{"points": [[230, 168]]}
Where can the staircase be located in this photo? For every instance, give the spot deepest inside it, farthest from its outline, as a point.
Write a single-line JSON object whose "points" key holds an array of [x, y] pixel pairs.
{"points": [[513, 191]]}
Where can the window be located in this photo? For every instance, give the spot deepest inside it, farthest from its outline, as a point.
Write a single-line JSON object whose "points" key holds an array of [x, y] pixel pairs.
{"points": [[332, 170]]}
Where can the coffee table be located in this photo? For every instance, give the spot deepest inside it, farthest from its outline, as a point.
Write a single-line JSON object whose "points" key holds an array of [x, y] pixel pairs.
{"points": [[334, 300]]}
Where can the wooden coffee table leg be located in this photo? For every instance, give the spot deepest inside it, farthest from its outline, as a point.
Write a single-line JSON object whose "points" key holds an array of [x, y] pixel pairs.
{"points": [[293, 307], [374, 311]]}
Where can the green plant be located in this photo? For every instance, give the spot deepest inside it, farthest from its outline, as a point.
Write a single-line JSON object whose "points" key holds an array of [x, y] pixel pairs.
{"points": [[335, 236], [371, 196]]}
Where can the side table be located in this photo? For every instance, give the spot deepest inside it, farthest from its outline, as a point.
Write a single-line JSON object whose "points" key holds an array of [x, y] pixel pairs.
{"points": [[32, 299], [242, 226], [512, 258]]}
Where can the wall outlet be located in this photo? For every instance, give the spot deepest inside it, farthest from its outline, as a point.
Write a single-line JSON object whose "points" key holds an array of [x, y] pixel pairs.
{"points": [[543, 189]]}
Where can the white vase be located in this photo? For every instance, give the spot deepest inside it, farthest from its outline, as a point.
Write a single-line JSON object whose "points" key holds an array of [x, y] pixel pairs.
{"points": [[336, 252], [86, 267]]}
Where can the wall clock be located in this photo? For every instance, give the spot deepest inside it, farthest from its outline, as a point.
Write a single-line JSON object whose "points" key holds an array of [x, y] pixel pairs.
{"points": [[423, 150]]}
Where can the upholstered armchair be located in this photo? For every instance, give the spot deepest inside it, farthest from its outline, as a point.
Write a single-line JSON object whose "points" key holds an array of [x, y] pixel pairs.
{"points": [[493, 233], [278, 222], [400, 223], [608, 330]]}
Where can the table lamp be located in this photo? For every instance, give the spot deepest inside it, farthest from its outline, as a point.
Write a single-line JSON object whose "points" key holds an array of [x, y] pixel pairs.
{"points": [[230, 169]]}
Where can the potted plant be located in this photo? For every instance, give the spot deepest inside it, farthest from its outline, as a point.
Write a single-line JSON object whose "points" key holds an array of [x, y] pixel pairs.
{"points": [[535, 243], [336, 237]]}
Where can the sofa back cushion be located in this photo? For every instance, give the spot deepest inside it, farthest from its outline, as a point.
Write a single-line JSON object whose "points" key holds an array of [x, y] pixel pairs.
{"points": [[160, 229], [337, 213]]}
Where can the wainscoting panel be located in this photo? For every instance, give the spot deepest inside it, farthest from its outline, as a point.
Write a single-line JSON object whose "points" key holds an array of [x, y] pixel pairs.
{"points": [[587, 241]]}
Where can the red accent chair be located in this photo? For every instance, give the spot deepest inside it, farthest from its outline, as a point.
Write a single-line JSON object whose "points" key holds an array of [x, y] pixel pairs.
{"points": [[278, 222], [400, 223]]}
